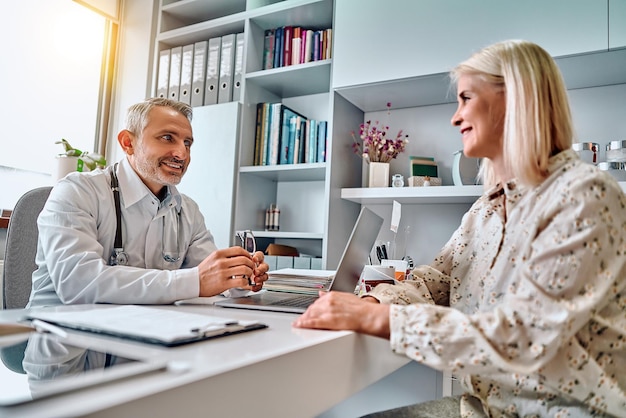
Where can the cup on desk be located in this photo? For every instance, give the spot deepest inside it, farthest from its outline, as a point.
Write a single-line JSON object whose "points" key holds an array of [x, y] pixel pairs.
{"points": [[400, 268], [372, 276]]}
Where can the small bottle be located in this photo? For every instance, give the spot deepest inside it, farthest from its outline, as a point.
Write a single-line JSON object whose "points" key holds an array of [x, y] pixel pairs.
{"points": [[272, 218]]}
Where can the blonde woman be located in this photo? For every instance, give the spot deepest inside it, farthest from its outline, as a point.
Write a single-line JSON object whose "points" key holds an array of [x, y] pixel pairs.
{"points": [[526, 303]]}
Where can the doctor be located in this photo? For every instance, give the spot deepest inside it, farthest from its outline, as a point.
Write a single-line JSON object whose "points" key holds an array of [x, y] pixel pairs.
{"points": [[125, 235]]}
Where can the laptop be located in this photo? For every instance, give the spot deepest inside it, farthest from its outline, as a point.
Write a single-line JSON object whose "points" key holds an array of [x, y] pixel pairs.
{"points": [[345, 279]]}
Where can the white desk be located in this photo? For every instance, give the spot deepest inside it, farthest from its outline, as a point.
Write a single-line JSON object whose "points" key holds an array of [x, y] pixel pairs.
{"points": [[279, 372]]}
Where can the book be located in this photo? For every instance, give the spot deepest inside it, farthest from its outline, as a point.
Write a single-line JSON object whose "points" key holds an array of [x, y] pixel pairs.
{"points": [[278, 50], [286, 42], [267, 118], [268, 49], [166, 327], [163, 76], [199, 73], [308, 47], [274, 131], [258, 140], [173, 88], [321, 142], [186, 73], [311, 149], [212, 71]]}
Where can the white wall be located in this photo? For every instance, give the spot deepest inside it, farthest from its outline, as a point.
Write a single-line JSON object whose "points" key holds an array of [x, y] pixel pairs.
{"points": [[134, 66]]}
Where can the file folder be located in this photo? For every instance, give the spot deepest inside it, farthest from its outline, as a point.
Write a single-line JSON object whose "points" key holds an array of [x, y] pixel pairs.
{"points": [[237, 74], [163, 75], [212, 71], [173, 90], [227, 62], [186, 72], [199, 73]]}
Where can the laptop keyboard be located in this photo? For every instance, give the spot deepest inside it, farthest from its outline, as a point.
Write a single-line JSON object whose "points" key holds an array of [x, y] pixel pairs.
{"points": [[302, 301]]}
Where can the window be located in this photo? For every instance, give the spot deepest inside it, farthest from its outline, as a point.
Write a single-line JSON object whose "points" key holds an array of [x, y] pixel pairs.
{"points": [[56, 59]]}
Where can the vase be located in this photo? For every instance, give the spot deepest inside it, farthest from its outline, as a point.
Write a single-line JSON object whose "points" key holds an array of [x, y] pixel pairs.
{"points": [[378, 175], [65, 165]]}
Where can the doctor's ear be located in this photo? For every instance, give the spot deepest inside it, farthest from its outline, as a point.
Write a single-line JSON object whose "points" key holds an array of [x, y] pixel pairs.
{"points": [[126, 140]]}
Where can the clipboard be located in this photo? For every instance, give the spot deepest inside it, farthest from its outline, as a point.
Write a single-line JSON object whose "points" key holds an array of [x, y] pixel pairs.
{"points": [[164, 327]]}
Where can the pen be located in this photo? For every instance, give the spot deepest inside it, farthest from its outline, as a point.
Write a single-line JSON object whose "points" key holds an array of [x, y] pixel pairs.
{"points": [[379, 253], [42, 326], [214, 327]]}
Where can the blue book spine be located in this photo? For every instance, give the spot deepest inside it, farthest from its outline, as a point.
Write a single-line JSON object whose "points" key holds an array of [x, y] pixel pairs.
{"points": [[278, 51], [313, 142], [321, 142], [285, 133], [293, 122]]}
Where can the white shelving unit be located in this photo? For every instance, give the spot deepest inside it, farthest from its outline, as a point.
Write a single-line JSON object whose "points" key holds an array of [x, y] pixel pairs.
{"points": [[413, 195], [301, 191]]}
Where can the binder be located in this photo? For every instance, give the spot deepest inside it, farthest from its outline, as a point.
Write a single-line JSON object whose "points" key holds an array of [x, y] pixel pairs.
{"points": [[227, 63], [163, 75], [173, 89], [149, 325], [186, 72], [237, 74], [212, 71], [199, 73]]}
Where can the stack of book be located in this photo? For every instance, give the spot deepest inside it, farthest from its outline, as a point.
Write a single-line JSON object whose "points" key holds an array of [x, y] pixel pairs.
{"points": [[284, 136], [203, 73], [291, 45]]}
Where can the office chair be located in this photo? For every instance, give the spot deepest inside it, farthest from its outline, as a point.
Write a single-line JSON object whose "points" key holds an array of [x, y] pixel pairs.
{"points": [[19, 263]]}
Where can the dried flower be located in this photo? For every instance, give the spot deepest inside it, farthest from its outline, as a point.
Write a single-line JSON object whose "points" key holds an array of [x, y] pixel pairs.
{"points": [[375, 146]]}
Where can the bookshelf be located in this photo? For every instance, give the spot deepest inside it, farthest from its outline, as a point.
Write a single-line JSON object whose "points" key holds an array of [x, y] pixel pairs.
{"points": [[301, 191]]}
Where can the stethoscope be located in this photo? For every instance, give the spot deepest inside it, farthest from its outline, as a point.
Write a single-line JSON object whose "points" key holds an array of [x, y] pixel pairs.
{"points": [[119, 257]]}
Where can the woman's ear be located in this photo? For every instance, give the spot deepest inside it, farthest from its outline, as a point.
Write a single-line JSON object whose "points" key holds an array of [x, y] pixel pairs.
{"points": [[126, 140]]}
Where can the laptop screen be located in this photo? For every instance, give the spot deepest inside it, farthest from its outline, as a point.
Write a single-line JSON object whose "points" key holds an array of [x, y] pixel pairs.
{"points": [[357, 251]]}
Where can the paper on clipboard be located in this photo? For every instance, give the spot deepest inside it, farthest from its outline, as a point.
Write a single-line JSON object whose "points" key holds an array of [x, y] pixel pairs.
{"points": [[146, 324]]}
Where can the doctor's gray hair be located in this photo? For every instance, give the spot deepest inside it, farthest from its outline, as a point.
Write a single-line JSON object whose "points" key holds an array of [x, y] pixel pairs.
{"points": [[137, 116]]}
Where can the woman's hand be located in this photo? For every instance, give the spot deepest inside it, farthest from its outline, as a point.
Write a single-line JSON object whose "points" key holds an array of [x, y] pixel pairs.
{"points": [[345, 311]]}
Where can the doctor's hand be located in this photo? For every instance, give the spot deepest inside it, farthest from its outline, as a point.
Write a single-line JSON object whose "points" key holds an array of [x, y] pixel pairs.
{"points": [[345, 311], [229, 268], [260, 271]]}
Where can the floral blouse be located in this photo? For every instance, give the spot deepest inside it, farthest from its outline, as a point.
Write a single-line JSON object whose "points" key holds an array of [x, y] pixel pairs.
{"points": [[526, 303]]}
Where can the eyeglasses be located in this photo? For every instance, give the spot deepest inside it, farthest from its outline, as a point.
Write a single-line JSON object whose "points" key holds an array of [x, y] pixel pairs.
{"points": [[247, 240], [171, 257]]}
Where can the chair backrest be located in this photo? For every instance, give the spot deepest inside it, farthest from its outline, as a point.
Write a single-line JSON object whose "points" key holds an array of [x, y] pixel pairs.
{"points": [[21, 248]]}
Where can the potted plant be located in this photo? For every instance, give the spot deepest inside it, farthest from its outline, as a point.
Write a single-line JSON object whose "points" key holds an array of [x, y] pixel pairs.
{"points": [[377, 149], [73, 159]]}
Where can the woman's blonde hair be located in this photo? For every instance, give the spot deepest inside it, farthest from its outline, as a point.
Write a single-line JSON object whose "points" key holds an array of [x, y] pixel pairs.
{"points": [[537, 121]]}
